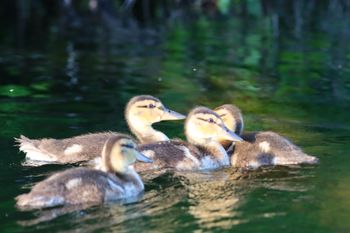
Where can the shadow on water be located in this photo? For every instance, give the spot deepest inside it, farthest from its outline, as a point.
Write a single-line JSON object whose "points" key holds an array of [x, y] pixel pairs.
{"points": [[69, 67]]}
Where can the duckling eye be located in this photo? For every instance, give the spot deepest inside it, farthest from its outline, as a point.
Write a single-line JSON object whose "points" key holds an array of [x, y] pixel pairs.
{"points": [[151, 106], [211, 120]]}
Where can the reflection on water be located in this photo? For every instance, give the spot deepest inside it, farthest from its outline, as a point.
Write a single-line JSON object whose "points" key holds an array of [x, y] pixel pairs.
{"points": [[213, 201], [216, 198]]}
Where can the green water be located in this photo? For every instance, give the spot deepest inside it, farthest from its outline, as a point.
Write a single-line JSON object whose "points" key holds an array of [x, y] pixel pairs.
{"points": [[286, 66]]}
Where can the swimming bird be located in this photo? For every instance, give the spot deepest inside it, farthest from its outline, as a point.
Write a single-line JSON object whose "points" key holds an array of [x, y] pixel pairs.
{"points": [[140, 113], [203, 129], [259, 148], [78, 186]]}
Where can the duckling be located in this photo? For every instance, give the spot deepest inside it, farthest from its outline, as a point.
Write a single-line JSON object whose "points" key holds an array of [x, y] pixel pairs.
{"points": [[259, 148], [203, 129], [77, 186], [140, 113]]}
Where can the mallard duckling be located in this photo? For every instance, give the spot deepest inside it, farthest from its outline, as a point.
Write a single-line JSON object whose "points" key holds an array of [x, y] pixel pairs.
{"points": [[204, 129], [140, 113], [78, 186], [259, 148]]}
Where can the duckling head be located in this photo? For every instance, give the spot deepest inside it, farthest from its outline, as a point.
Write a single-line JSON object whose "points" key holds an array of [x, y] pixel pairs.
{"points": [[146, 110], [119, 152], [204, 125], [231, 116]]}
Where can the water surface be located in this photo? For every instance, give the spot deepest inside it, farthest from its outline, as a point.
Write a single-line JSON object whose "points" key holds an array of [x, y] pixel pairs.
{"points": [[68, 71]]}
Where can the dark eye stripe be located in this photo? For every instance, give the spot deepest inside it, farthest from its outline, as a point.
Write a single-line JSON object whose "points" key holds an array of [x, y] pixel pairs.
{"points": [[147, 106], [128, 146], [210, 120], [222, 115], [202, 119]]}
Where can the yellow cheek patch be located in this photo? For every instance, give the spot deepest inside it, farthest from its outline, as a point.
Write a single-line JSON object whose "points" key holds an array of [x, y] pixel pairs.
{"points": [[151, 115], [226, 117], [116, 159], [229, 122], [147, 113], [207, 129], [146, 116], [122, 155]]}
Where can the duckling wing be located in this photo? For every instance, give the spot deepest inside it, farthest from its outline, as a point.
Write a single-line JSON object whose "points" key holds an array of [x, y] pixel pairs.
{"points": [[73, 186], [253, 152], [169, 154], [69, 150]]}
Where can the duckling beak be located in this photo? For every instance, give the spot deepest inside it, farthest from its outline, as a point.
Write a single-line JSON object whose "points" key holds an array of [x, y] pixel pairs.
{"points": [[227, 134], [171, 115], [141, 157]]}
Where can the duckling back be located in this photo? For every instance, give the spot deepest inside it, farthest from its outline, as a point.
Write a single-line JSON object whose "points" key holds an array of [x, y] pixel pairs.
{"points": [[70, 150], [267, 148], [179, 155], [174, 154]]}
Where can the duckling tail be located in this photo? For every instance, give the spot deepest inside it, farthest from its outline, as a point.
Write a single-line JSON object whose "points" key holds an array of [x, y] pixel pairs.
{"points": [[31, 149], [312, 160], [295, 158], [23, 200], [29, 201], [25, 143]]}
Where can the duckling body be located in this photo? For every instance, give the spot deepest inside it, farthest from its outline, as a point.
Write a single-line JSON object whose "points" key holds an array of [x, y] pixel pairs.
{"points": [[80, 186], [267, 148], [203, 129], [178, 155], [89, 186], [259, 148], [70, 150], [141, 112]]}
